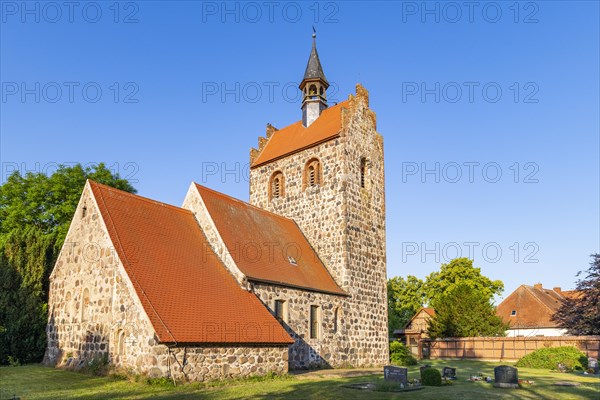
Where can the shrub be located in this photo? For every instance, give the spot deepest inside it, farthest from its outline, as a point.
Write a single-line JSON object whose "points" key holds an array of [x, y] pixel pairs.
{"points": [[400, 354], [549, 358], [431, 377], [97, 366]]}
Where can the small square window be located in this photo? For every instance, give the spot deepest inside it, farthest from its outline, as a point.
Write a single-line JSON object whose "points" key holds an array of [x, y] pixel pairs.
{"points": [[513, 313], [281, 310]]}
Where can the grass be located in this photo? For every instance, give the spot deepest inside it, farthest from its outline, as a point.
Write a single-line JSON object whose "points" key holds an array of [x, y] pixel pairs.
{"points": [[37, 382]]}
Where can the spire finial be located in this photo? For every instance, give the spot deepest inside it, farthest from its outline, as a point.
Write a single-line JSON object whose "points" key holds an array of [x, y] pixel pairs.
{"points": [[314, 35]]}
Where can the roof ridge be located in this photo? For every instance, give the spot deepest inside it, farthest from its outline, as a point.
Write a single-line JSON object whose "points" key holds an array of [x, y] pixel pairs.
{"points": [[531, 289], [246, 203], [137, 196]]}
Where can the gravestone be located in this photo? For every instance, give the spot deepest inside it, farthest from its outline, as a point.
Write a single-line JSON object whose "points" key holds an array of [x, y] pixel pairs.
{"points": [[395, 374], [506, 376], [560, 367], [423, 368], [449, 373], [593, 365]]}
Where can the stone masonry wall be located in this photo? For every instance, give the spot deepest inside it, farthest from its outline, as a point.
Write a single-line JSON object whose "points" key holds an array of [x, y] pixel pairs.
{"points": [[344, 222], [330, 348], [114, 322]]}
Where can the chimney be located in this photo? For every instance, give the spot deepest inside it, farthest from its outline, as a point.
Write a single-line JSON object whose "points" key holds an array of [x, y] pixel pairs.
{"points": [[538, 286], [557, 290]]}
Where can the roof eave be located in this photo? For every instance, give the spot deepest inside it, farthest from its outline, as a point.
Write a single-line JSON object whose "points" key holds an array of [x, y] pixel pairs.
{"points": [[289, 285]]}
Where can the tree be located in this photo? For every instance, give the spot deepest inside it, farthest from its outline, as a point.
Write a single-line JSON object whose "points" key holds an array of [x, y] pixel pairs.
{"points": [[459, 271], [49, 202], [465, 311], [35, 214], [405, 298], [580, 314]]}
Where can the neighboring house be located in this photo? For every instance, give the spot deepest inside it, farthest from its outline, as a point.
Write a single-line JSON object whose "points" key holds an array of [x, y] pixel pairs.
{"points": [[219, 287], [529, 310], [415, 330]]}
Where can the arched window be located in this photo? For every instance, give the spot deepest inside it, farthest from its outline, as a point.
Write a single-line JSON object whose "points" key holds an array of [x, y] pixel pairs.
{"points": [[277, 185], [312, 174], [85, 304], [312, 90], [364, 173], [121, 343]]}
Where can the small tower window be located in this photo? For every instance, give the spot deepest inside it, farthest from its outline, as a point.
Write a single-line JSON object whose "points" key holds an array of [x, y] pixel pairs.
{"points": [[335, 319], [277, 185], [312, 174], [513, 313], [83, 211], [312, 90], [364, 172]]}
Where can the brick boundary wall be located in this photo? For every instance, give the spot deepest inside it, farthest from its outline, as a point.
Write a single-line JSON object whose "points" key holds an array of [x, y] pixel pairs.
{"points": [[503, 348]]}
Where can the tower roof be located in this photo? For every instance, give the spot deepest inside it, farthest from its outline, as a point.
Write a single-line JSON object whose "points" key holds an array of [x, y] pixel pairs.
{"points": [[314, 70]]}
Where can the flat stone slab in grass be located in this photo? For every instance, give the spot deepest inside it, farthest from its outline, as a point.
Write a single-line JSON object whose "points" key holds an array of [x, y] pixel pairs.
{"points": [[566, 383], [373, 387]]}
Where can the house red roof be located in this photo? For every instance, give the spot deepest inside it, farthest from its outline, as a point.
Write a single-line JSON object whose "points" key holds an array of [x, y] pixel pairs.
{"points": [[260, 243], [185, 290], [296, 137], [534, 306]]}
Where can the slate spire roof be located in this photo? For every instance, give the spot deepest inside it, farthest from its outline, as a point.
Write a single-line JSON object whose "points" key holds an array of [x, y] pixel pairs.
{"points": [[314, 70]]}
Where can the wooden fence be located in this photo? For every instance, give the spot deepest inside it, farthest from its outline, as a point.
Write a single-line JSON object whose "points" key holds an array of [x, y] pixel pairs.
{"points": [[504, 348]]}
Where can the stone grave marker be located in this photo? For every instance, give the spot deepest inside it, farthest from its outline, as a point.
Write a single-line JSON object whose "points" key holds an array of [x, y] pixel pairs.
{"points": [[449, 373], [423, 368], [593, 365], [506, 376], [395, 374]]}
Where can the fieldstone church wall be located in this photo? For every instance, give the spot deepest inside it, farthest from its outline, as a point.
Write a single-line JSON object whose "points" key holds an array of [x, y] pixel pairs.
{"points": [[94, 312]]}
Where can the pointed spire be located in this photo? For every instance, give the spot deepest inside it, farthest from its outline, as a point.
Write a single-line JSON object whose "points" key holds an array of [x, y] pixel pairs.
{"points": [[314, 87], [314, 70]]}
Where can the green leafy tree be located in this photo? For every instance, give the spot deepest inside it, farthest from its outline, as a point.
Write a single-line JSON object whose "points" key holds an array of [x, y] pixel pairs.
{"points": [[35, 214], [580, 315], [465, 311], [460, 271], [405, 298]]}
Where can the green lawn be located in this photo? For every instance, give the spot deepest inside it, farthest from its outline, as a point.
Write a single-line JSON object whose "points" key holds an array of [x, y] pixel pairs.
{"points": [[37, 382]]}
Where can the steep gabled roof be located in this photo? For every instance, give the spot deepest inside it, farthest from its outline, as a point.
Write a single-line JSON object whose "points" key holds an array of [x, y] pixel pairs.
{"points": [[260, 243], [534, 306], [185, 290], [296, 137]]}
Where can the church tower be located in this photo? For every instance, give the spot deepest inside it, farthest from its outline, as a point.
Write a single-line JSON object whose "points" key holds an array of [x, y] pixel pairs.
{"points": [[326, 172]]}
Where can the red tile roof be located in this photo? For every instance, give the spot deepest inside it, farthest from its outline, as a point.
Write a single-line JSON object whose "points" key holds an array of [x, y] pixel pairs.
{"points": [[296, 137], [187, 293], [260, 243], [534, 306]]}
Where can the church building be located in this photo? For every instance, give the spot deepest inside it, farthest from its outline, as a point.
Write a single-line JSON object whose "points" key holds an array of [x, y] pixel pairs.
{"points": [[218, 287]]}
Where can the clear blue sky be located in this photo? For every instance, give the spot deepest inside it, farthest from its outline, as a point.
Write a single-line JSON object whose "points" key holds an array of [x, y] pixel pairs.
{"points": [[172, 123]]}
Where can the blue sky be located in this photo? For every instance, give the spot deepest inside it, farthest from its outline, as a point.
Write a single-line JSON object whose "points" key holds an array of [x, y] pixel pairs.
{"points": [[170, 92]]}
